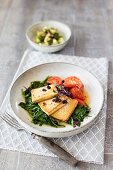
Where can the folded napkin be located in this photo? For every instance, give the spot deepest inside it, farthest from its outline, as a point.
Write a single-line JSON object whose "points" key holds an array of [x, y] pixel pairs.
{"points": [[87, 146]]}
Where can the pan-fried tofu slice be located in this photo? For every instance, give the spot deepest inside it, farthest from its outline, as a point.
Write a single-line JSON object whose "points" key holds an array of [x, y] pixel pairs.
{"points": [[43, 93], [65, 112], [64, 101], [52, 105]]}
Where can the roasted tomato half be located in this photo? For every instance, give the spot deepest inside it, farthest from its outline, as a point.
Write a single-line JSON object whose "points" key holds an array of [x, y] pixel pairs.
{"points": [[73, 82], [54, 80], [77, 93]]}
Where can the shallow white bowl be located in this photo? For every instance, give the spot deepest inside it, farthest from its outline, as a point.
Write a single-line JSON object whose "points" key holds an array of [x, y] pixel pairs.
{"points": [[63, 29], [63, 70]]}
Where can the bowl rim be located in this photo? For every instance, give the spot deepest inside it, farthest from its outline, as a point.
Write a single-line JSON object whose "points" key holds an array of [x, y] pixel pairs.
{"points": [[45, 46], [74, 131]]}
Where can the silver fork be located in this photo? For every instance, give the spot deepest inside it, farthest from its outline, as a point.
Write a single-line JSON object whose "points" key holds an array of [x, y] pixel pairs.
{"points": [[54, 148]]}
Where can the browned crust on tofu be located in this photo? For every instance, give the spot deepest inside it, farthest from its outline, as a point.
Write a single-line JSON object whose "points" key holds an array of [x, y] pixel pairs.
{"points": [[50, 106], [65, 112], [39, 95]]}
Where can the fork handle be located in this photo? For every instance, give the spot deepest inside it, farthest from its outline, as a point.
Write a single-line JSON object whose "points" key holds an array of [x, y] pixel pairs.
{"points": [[57, 150]]}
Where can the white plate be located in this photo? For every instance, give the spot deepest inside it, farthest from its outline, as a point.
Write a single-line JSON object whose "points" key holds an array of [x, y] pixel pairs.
{"points": [[63, 29], [63, 70]]}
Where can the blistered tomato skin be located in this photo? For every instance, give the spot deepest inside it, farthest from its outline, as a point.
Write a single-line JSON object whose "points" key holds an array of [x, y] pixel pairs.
{"points": [[77, 93], [54, 80], [80, 102], [73, 81]]}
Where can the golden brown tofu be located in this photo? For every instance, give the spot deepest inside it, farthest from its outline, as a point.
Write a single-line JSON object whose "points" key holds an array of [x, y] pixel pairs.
{"points": [[43, 93], [52, 105], [65, 112]]}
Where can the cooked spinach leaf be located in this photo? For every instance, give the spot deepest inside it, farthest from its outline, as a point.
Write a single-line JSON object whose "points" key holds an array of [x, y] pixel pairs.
{"points": [[78, 115], [37, 84], [38, 116], [33, 85]]}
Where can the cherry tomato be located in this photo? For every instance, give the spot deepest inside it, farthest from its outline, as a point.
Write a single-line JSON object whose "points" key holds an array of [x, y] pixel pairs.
{"points": [[77, 93], [72, 82], [54, 80], [80, 102]]}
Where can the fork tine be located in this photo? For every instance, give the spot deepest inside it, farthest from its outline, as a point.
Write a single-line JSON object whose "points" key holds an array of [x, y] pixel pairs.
{"points": [[11, 121], [11, 117], [7, 121]]}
